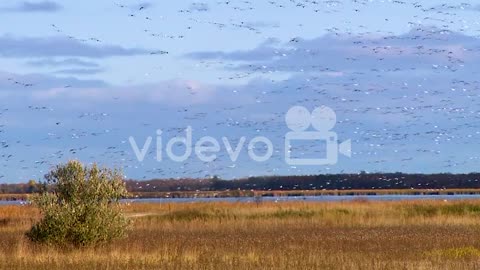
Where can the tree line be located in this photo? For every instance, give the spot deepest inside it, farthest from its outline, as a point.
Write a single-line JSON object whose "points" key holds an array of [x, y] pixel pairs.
{"points": [[293, 182], [313, 182]]}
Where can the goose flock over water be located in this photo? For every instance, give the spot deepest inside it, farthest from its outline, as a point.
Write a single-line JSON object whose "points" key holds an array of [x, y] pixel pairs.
{"points": [[80, 79]]}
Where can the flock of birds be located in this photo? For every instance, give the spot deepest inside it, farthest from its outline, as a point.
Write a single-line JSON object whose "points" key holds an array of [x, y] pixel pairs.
{"points": [[408, 101]]}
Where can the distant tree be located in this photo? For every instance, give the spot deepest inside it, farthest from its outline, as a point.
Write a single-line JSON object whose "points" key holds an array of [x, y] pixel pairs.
{"points": [[79, 205], [31, 186]]}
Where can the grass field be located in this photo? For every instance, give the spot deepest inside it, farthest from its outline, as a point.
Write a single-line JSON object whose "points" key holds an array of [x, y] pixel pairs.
{"points": [[293, 235]]}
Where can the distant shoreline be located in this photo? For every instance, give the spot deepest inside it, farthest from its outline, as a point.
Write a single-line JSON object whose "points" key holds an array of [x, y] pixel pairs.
{"points": [[288, 193], [274, 193]]}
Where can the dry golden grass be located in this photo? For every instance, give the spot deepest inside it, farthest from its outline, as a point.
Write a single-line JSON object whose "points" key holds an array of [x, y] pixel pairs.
{"points": [[289, 235]]}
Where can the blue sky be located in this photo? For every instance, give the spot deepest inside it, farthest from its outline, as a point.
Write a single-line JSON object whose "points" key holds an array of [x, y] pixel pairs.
{"points": [[78, 78]]}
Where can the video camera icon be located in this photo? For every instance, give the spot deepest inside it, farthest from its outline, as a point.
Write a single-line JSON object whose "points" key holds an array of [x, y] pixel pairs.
{"points": [[322, 119]]}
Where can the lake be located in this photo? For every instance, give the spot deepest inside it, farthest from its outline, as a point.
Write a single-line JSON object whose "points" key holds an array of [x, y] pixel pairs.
{"points": [[323, 198]]}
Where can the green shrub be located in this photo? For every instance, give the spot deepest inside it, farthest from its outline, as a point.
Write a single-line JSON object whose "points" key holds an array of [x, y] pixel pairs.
{"points": [[79, 205]]}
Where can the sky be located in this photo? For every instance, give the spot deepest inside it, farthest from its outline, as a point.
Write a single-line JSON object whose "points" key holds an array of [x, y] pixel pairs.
{"points": [[81, 79]]}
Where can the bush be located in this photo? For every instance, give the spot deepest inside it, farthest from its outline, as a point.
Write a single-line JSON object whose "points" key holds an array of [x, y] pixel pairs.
{"points": [[79, 205]]}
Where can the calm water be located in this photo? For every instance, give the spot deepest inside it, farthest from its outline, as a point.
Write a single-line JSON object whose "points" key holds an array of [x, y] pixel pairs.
{"points": [[325, 198]]}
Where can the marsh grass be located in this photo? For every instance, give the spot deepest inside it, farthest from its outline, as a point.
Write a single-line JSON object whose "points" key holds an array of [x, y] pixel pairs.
{"points": [[464, 253], [288, 235], [445, 209]]}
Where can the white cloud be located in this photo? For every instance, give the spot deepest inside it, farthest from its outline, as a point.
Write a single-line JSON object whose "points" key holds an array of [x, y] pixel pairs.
{"points": [[173, 92], [60, 46]]}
